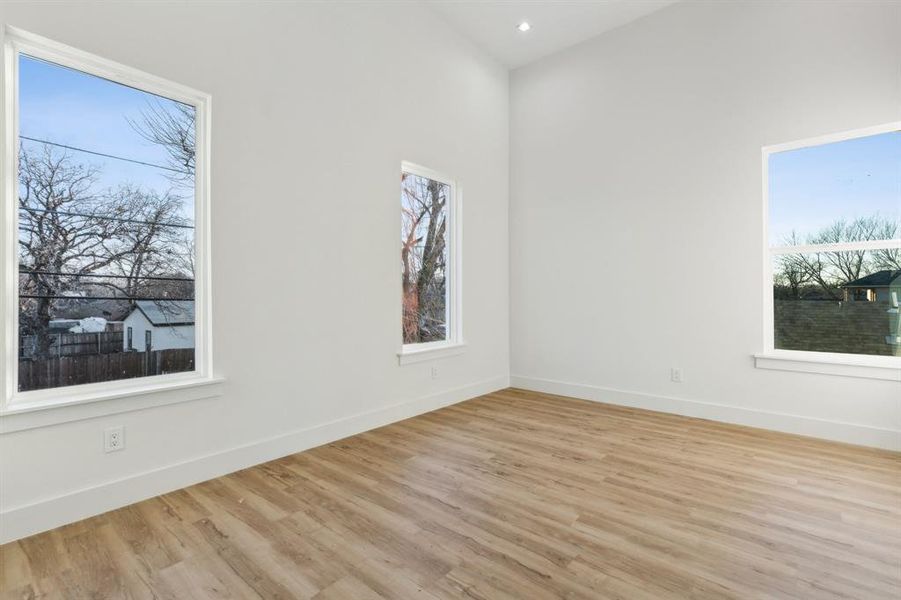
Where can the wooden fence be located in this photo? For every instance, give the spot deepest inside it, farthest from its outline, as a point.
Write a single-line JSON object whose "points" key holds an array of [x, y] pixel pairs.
{"points": [[36, 374], [75, 344]]}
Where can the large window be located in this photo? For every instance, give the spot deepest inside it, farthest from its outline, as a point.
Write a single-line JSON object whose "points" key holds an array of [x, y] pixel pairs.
{"points": [[834, 248], [429, 261], [106, 204]]}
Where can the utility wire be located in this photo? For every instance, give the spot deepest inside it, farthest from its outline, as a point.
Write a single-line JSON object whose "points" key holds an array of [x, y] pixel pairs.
{"points": [[142, 277], [56, 296], [105, 218], [131, 160]]}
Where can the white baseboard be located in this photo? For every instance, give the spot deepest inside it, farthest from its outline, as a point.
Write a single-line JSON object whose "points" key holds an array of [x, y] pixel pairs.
{"points": [[862, 435], [22, 521]]}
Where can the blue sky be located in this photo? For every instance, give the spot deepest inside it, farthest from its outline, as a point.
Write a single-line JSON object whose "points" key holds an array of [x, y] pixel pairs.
{"points": [[76, 109], [813, 187]]}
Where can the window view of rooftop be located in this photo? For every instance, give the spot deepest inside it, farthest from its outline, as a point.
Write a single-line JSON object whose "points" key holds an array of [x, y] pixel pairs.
{"points": [[842, 203], [106, 230]]}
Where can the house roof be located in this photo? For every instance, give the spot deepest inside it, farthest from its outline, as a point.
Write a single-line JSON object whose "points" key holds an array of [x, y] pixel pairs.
{"points": [[877, 279], [167, 312], [78, 308]]}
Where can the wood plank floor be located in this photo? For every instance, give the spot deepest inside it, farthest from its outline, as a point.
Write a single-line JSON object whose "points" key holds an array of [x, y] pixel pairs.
{"points": [[515, 495]]}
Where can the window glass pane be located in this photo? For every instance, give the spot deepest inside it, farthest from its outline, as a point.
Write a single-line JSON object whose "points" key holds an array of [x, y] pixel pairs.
{"points": [[424, 258], [106, 229], [840, 192], [846, 302]]}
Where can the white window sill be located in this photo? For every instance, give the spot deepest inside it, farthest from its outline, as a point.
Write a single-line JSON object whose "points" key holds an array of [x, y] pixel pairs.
{"points": [[417, 353], [42, 408], [848, 365]]}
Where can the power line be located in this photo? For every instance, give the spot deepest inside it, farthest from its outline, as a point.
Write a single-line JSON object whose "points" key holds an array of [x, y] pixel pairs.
{"points": [[141, 277], [105, 218], [56, 296], [122, 158]]}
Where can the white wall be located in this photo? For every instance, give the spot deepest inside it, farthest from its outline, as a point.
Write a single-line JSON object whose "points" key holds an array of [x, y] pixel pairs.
{"points": [[315, 105], [635, 164]]}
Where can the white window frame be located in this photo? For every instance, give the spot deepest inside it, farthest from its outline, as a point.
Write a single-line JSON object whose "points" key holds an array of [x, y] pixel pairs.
{"points": [[829, 363], [454, 344], [14, 403]]}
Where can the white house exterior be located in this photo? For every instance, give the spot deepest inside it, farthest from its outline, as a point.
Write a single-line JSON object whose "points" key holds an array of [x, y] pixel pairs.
{"points": [[161, 325]]}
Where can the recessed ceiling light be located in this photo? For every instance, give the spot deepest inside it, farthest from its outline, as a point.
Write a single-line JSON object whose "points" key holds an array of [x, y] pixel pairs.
{"points": [[524, 26]]}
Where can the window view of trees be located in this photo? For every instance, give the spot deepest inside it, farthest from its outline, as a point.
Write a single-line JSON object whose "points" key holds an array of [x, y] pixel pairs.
{"points": [[106, 202], [823, 275], [424, 258], [840, 291]]}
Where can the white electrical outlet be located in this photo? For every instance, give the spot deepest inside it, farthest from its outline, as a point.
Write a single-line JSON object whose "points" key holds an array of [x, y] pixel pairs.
{"points": [[676, 375], [114, 439], [434, 372]]}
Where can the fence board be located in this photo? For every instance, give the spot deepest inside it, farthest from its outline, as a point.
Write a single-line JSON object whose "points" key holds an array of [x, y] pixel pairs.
{"points": [[73, 344], [35, 374]]}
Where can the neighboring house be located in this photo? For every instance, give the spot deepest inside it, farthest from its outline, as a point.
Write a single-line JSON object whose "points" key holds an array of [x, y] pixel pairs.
{"points": [[881, 286], [159, 325]]}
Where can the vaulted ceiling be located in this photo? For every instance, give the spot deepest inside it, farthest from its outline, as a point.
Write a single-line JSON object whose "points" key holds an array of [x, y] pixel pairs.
{"points": [[555, 25]]}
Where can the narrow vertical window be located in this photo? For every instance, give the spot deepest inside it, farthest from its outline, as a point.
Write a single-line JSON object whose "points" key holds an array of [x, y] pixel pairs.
{"points": [[429, 263]]}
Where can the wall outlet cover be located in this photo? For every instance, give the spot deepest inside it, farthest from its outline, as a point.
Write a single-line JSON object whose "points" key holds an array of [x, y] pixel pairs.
{"points": [[114, 439]]}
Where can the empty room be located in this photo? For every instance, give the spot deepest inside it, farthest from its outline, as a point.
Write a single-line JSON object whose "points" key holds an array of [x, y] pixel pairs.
{"points": [[450, 299]]}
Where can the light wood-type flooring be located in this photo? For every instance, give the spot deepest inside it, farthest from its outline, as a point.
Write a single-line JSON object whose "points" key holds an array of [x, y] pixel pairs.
{"points": [[511, 496]]}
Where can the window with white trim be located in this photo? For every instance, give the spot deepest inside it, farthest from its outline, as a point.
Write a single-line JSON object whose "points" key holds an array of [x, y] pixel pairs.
{"points": [[106, 211], [429, 261], [834, 248]]}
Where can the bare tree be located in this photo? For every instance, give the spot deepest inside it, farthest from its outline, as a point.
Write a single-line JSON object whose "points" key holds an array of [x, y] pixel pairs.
{"points": [[151, 245], [71, 236], [184, 254], [830, 270], [171, 126], [847, 265], [424, 258], [888, 258], [65, 232], [793, 274], [174, 130]]}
